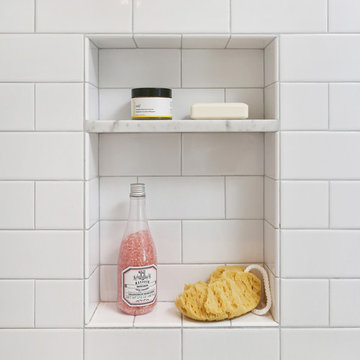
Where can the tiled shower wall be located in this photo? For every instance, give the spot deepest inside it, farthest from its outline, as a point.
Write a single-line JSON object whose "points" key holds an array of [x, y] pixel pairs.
{"points": [[204, 210], [42, 163]]}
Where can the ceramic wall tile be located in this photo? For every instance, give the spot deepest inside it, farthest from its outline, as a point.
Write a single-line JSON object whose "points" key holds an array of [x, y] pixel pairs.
{"points": [[344, 16], [59, 205], [304, 204], [223, 154], [319, 344], [42, 254], [125, 68], [304, 106], [305, 303], [17, 16], [344, 296], [52, 58], [344, 112], [227, 241], [16, 205], [261, 16], [301, 154], [140, 154], [111, 16], [41, 344], [26, 158], [222, 68], [320, 57], [245, 197], [157, 344], [185, 16], [191, 197], [59, 107], [320, 253], [59, 303], [345, 204], [210, 343], [17, 106], [16, 303]]}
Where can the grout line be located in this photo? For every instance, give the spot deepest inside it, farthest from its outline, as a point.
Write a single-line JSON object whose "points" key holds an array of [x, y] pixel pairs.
{"points": [[193, 88], [182, 242], [230, 22], [98, 83], [182, 338], [279, 232], [329, 204], [328, 105], [225, 213], [181, 68], [183, 219], [132, 19], [271, 84], [34, 205], [181, 154], [35, 9], [320, 82], [327, 16], [177, 176], [228, 41], [181, 264], [93, 314], [34, 112], [34, 283], [329, 304], [41, 82], [85, 153], [269, 35]]}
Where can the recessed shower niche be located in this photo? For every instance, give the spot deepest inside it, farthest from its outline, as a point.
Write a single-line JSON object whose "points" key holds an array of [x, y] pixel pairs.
{"points": [[212, 185]]}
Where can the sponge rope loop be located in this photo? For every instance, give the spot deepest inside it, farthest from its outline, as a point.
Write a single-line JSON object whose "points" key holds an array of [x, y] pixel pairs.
{"points": [[264, 274]]}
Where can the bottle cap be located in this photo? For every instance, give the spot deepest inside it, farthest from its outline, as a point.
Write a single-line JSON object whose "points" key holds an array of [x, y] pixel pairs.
{"points": [[137, 190]]}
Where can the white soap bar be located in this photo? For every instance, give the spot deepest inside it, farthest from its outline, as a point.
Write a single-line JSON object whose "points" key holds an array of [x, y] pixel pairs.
{"points": [[213, 111]]}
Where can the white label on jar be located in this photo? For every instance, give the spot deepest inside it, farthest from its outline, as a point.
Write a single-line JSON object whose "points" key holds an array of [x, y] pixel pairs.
{"points": [[147, 107], [139, 285]]}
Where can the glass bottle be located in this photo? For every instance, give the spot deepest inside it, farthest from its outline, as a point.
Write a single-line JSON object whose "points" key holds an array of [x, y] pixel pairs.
{"points": [[137, 263]]}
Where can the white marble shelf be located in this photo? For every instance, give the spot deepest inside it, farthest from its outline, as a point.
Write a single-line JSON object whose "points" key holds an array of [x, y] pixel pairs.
{"points": [[181, 126], [165, 315]]}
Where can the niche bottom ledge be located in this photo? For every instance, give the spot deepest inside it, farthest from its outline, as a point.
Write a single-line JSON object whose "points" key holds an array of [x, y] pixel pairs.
{"points": [[184, 126], [165, 315]]}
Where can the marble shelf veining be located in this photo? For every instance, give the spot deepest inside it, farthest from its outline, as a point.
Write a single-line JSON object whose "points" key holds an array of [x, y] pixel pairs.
{"points": [[184, 126]]}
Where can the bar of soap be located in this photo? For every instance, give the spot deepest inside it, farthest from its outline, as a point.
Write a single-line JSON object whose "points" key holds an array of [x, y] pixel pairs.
{"points": [[221, 111]]}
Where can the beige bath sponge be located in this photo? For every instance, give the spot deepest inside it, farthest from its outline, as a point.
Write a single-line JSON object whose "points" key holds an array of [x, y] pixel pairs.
{"points": [[229, 293]]}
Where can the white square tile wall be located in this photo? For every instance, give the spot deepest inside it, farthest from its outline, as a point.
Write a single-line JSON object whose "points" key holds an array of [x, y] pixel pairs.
{"points": [[57, 259]]}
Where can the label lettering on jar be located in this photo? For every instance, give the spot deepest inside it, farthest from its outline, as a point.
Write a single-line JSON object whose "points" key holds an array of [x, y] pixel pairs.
{"points": [[151, 107], [139, 285]]}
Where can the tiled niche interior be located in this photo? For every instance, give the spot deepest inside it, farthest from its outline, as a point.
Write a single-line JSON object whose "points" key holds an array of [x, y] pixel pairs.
{"points": [[212, 197]]}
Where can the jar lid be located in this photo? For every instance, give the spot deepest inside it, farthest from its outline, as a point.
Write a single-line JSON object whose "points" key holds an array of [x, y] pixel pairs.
{"points": [[151, 92]]}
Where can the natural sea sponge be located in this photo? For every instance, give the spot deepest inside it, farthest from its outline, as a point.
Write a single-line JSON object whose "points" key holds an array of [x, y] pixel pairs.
{"points": [[229, 293]]}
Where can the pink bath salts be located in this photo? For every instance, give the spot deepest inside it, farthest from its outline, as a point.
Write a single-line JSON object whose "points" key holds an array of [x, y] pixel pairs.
{"points": [[137, 273]]}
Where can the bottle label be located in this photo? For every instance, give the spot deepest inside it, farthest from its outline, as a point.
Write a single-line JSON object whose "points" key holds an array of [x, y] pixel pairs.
{"points": [[139, 285], [151, 107]]}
